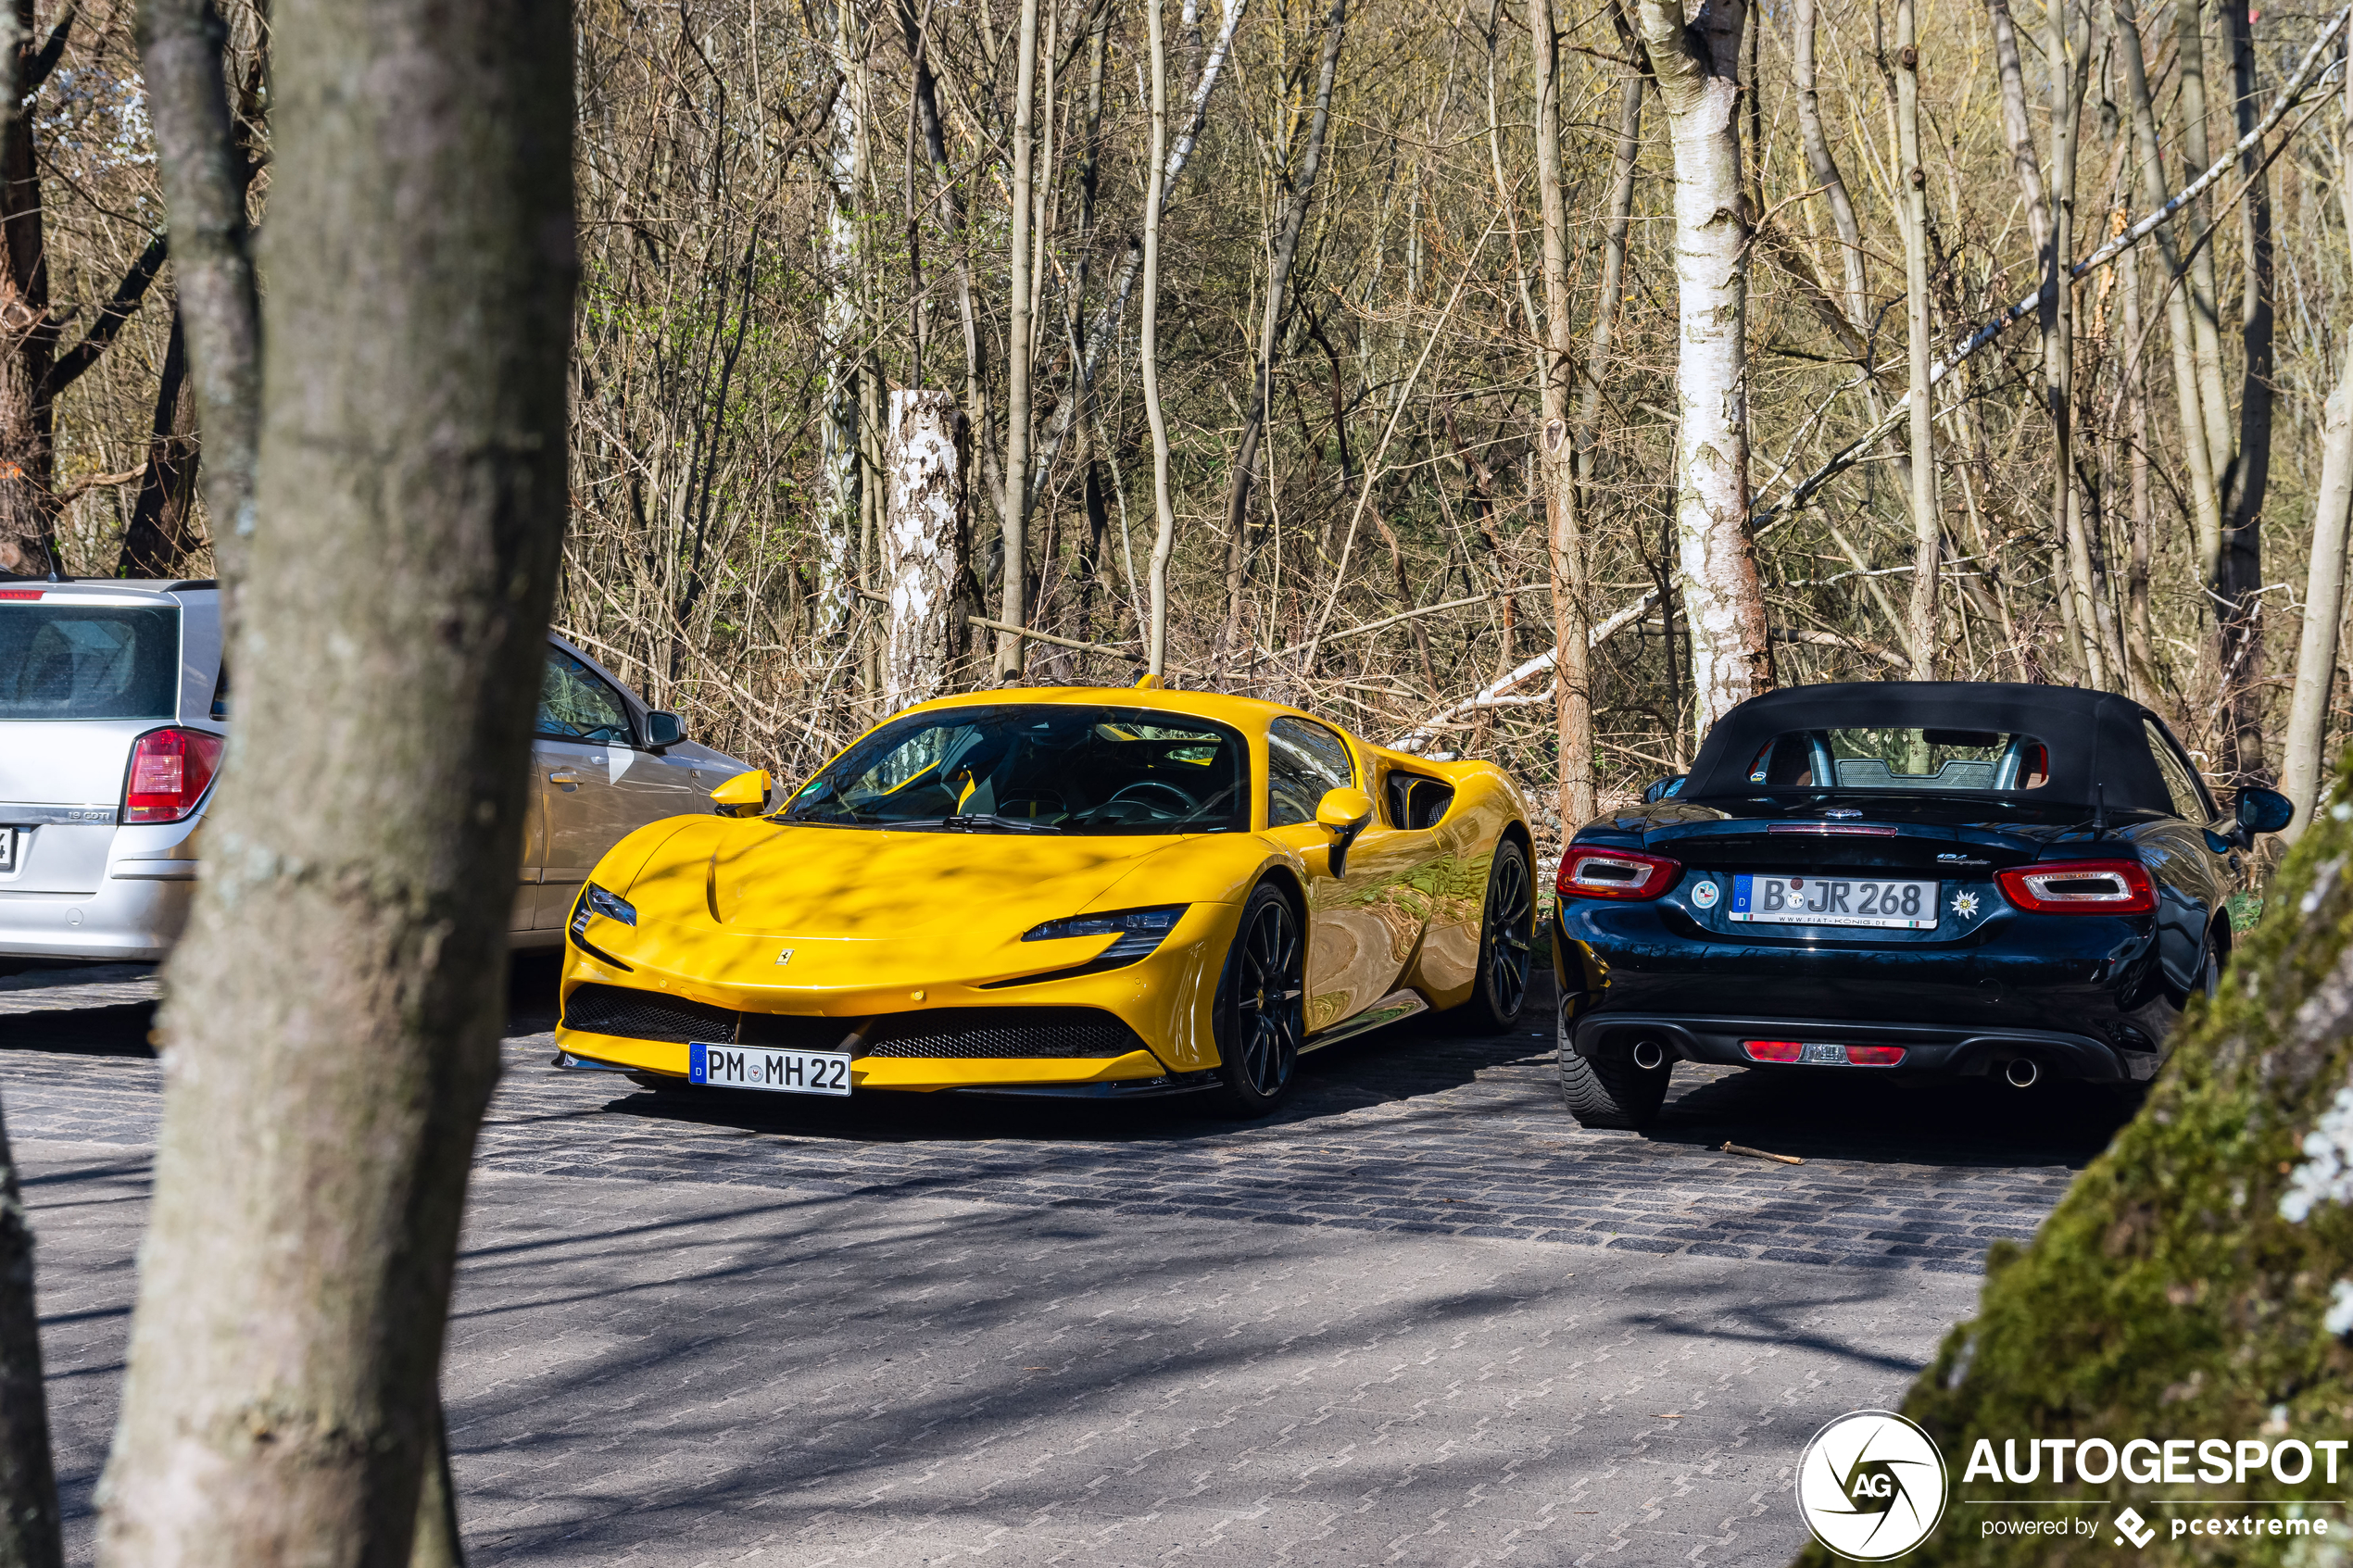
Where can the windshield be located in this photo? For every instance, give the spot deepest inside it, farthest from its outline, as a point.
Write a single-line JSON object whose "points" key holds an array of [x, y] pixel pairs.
{"points": [[1938, 761], [89, 661], [1036, 768]]}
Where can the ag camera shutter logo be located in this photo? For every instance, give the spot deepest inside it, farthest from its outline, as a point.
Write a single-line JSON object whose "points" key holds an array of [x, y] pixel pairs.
{"points": [[1872, 1486]]}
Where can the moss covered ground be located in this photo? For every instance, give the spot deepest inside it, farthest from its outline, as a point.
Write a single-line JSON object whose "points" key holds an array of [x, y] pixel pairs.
{"points": [[2191, 1282]]}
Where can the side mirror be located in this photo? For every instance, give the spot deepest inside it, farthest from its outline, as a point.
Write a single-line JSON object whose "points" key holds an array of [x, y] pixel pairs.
{"points": [[1659, 789], [2262, 810], [746, 795], [1342, 814], [663, 730]]}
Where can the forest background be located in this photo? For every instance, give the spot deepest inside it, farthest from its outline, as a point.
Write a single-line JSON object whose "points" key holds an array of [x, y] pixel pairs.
{"points": [[1367, 311]]}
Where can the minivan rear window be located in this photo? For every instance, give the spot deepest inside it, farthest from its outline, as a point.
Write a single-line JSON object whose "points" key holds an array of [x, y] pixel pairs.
{"points": [[89, 661]]}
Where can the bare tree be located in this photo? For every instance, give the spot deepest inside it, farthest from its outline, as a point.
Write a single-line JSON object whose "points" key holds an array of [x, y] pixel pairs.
{"points": [[1564, 533], [1020, 230], [922, 554], [333, 1033], [1921, 637], [1696, 57]]}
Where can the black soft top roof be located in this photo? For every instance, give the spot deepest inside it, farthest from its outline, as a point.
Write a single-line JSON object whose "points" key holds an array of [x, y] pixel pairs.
{"points": [[2096, 738]]}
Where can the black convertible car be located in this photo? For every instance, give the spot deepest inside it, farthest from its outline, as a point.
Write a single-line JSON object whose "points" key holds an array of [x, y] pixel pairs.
{"points": [[1929, 878]]}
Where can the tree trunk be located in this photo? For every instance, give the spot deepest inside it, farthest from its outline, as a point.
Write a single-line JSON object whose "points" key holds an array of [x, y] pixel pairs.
{"points": [[2066, 55], [207, 170], [2206, 504], [1824, 168], [2205, 324], [1696, 58], [1155, 194], [333, 1033], [923, 557], [28, 1532], [1020, 226], [2193, 1278], [1275, 319], [1928, 524], [28, 334], [160, 534], [2239, 579], [2139, 628], [839, 498], [1564, 531], [1613, 285]]}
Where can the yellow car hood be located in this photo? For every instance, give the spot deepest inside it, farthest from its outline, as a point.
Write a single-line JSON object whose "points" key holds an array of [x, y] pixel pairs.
{"points": [[719, 900]]}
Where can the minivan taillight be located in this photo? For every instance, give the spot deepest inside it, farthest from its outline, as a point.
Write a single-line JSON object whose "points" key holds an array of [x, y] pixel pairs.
{"points": [[1616, 873], [2080, 888], [169, 770]]}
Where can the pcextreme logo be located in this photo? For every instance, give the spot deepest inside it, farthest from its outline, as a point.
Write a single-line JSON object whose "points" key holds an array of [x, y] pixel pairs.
{"points": [[1872, 1486]]}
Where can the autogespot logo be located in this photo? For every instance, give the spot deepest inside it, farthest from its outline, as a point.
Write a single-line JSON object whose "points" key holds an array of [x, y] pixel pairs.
{"points": [[1872, 1486]]}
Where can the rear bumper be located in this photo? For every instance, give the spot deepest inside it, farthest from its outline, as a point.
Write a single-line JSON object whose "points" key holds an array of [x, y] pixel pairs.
{"points": [[127, 918], [1930, 1050]]}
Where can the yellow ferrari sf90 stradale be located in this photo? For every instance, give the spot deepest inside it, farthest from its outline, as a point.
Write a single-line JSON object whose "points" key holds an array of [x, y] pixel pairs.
{"points": [[1076, 891]]}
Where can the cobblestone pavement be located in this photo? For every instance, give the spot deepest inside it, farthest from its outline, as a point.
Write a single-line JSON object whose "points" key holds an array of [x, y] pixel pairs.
{"points": [[1420, 1318]]}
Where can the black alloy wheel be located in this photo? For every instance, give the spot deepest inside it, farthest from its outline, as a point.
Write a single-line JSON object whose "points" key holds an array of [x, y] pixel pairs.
{"points": [[1506, 944], [1262, 1011]]}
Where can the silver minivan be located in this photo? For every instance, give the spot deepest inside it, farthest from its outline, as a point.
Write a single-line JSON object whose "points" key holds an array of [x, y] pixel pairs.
{"points": [[113, 707]]}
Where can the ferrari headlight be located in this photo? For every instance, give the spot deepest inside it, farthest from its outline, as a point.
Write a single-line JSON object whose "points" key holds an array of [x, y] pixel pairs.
{"points": [[1140, 931], [594, 900]]}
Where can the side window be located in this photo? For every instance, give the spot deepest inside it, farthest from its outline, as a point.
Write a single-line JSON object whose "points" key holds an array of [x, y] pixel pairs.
{"points": [[1305, 761], [575, 704], [2189, 801]]}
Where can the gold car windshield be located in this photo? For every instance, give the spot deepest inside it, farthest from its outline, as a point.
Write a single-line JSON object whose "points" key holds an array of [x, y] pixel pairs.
{"points": [[1045, 768]]}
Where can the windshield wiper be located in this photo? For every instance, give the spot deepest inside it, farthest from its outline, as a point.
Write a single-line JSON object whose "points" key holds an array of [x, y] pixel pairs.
{"points": [[973, 822]]}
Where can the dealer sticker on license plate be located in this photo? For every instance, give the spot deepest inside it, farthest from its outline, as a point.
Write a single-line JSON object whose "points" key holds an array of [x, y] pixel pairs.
{"points": [[754, 1067], [1833, 900]]}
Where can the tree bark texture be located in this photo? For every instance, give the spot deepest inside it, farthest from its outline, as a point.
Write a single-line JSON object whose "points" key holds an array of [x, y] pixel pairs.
{"points": [[2204, 323], [923, 555], [1564, 531], [27, 335], [1824, 168], [1155, 197], [1613, 282], [1696, 57], [162, 530], [29, 1525], [1928, 524], [2195, 1278], [331, 1037], [2065, 53], [2239, 581], [1021, 243], [839, 490], [207, 170]]}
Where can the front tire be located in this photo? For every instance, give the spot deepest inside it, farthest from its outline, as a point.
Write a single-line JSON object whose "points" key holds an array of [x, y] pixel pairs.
{"points": [[1261, 1011], [1610, 1091], [1506, 945]]}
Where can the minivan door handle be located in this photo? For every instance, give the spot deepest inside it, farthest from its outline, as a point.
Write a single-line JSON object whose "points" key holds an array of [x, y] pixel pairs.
{"points": [[563, 776]]}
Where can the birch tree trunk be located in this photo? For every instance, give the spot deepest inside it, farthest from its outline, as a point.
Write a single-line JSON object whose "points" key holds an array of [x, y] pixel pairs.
{"points": [[206, 171], [839, 500], [332, 1035], [1156, 191], [1928, 524], [923, 555], [1564, 531], [1020, 226], [1696, 57]]}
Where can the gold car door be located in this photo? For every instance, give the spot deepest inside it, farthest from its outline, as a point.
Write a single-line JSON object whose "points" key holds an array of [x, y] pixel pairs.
{"points": [[577, 757], [1362, 927]]}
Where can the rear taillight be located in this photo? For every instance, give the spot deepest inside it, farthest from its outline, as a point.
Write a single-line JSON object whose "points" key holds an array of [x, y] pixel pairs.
{"points": [[169, 770], [20, 595], [2080, 888], [1616, 873]]}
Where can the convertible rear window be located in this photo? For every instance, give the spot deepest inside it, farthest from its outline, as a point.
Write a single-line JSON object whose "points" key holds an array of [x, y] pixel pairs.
{"points": [[1061, 768], [1943, 761], [89, 661]]}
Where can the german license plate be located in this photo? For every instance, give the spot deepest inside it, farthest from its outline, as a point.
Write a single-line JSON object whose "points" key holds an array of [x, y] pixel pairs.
{"points": [[7, 850], [1834, 900], [755, 1067]]}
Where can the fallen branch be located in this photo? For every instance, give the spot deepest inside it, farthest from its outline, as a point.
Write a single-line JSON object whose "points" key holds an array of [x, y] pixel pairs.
{"points": [[1760, 1154]]}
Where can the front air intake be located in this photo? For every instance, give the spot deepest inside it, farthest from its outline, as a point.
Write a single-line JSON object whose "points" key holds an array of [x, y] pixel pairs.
{"points": [[983, 1033], [648, 1015]]}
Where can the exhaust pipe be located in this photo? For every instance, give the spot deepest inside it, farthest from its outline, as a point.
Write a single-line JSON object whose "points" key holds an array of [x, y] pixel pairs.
{"points": [[1649, 1055], [2022, 1072]]}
